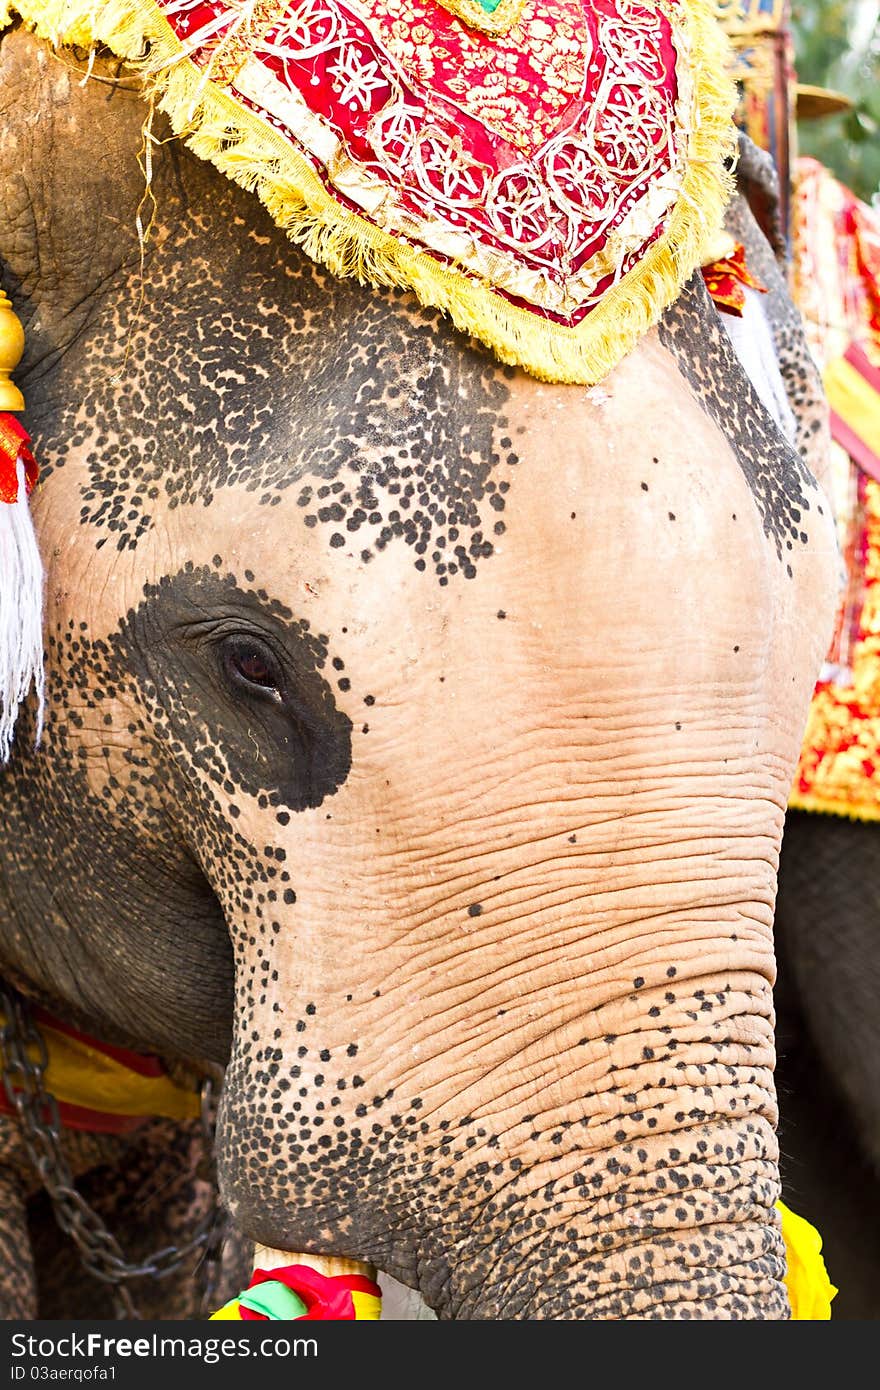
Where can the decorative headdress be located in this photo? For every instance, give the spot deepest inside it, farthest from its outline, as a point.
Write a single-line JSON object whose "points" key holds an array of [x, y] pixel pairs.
{"points": [[546, 171]]}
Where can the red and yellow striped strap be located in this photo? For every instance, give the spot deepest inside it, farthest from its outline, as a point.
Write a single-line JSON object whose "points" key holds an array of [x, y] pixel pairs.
{"points": [[104, 1089]]}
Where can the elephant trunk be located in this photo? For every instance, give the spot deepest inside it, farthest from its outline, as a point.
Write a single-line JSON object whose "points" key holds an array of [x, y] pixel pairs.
{"points": [[687, 1233], [657, 1200], [588, 1174]]}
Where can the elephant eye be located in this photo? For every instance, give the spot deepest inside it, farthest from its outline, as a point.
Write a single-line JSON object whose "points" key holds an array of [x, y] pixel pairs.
{"points": [[252, 667]]}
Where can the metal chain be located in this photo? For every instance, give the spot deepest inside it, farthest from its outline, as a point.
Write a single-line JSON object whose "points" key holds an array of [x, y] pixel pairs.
{"points": [[23, 1060]]}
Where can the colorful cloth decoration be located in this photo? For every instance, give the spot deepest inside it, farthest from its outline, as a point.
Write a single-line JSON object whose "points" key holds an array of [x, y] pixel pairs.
{"points": [[810, 1291], [852, 385], [299, 1293], [546, 171], [726, 277], [837, 288], [15, 450], [104, 1089], [760, 34], [21, 570]]}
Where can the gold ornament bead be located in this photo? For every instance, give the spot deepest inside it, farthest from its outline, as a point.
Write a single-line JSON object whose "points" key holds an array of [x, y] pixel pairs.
{"points": [[11, 349]]}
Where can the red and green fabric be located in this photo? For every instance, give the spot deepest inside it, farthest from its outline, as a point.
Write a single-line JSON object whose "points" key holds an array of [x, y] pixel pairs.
{"points": [[298, 1293]]}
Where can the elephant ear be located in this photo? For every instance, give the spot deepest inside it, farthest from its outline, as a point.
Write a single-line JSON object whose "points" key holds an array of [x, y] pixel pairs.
{"points": [[757, 181]]}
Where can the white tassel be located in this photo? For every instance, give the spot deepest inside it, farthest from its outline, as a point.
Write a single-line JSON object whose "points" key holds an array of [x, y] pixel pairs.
{"points": [[21, 615], [752, 341]]}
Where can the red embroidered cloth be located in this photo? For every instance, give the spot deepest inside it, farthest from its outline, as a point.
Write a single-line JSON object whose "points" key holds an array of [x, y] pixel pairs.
{"points": [[726, 278], [14, 446], [520, 157], [547, 171]]}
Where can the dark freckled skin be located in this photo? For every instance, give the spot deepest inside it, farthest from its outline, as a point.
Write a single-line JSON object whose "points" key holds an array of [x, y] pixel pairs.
{"points": [[367, 467], [800, 375], [782, 484], [288, 754], [177, 626], [467, 1182], [442, 1051]]}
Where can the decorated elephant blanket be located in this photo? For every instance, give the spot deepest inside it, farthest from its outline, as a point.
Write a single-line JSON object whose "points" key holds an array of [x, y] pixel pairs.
{"points": [[548, 172], [837, 287]]}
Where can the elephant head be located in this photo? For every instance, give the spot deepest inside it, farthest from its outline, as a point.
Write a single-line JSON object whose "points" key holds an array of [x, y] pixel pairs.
{"points": [[417, 742]]}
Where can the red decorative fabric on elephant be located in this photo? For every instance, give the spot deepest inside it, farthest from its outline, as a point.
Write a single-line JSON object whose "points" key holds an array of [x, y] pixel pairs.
{"points": [[728, 276], [548, 174], [298, 1293], [837, 288], [15, 450]]}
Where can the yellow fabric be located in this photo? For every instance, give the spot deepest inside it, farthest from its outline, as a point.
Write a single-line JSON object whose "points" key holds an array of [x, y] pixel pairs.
{"points": [[367, 1307], [221, 129], [854, 399], [81, 1075], [810, 1291]]}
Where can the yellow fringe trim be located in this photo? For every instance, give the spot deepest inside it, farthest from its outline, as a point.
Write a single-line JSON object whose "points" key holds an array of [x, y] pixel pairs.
{"points": [[819, 806], [217, 128], [498, 21]]}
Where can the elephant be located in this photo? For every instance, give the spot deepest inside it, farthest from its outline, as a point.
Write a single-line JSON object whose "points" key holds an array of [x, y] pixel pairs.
{"points": [[416, 752]]}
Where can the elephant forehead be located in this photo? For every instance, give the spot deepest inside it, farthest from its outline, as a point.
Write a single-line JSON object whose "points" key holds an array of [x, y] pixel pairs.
{"points": [[398, 480], [601, 543], [303, 380]]}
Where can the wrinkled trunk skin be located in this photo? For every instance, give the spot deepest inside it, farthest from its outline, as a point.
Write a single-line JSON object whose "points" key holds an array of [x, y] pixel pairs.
{"points": [[646, 1197], [486, 849]]}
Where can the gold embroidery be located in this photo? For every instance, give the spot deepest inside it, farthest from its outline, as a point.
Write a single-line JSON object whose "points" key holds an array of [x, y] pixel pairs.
{"points": [[499, 21], [235, 48], [566, 159], [547, 59], [295, 179], [225, 40]]}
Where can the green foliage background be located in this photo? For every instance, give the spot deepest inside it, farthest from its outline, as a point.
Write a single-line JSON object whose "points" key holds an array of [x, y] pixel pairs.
{"points": [[837, 44]]}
